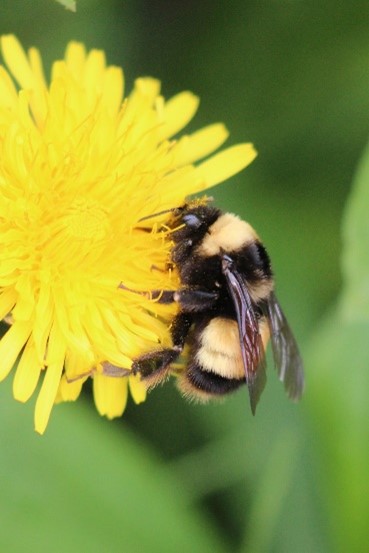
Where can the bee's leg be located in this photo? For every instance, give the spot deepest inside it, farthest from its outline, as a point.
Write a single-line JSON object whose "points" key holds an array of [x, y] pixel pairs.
{"points": [[78, 376], [168, 267], [114, 371], [194, 299], [107, 368], [190, 299], [154, 367], [161, 296]]}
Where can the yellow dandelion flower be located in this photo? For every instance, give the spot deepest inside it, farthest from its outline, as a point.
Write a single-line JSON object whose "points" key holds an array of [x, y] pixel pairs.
{"points": [[79, 166]]}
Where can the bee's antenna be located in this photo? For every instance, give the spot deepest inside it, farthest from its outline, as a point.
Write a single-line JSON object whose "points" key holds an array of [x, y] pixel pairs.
{"points": [[204, 200], [157, 214]]}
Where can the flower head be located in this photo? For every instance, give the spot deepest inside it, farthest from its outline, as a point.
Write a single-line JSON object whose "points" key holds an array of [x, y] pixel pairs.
{"points": [[79, 166]]}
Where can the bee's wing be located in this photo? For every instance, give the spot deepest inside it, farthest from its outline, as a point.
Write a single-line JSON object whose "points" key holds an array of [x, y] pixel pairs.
{"points": [[252, 350], [286, 354]]}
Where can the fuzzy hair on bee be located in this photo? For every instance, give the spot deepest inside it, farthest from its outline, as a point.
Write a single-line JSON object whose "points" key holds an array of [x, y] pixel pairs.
{"points": [[227, 311]]}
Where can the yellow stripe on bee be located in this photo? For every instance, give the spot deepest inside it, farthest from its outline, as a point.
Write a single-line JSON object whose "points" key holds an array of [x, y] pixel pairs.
{"points": [[228, 233], [220, 350]]}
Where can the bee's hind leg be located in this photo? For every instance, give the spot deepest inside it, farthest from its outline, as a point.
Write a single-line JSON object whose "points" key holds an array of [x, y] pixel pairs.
{"points": [[154, 367], [114, 371]]}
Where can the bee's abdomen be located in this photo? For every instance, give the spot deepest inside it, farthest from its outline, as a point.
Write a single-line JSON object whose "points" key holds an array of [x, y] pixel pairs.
{"points": [[198, 384], [215, 367], [218, 348]]}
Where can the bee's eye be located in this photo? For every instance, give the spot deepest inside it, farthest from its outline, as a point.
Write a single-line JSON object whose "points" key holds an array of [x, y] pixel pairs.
{"points": [[192, 220]]}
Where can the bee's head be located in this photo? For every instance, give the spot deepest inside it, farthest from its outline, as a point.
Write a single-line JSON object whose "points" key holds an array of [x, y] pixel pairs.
{"points": [[192, 220], [189, 222]]}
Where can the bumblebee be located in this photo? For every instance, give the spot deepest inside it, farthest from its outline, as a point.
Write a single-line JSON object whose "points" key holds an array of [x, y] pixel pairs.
{"points": [[228, 311]]}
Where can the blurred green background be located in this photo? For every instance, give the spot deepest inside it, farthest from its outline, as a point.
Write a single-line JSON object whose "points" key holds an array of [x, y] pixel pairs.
{"points": [[293, 78]]}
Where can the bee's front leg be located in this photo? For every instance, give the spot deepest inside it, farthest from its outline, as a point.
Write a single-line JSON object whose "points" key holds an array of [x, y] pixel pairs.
{"points": [[190, 299]]}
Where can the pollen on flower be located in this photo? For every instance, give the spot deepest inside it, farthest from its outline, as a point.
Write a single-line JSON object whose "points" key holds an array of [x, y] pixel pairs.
{"points": [[81, 163]]}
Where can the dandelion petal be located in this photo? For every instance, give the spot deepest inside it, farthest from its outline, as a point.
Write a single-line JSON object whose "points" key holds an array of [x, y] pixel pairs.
{"points": [[178, 112], [17, 61], [201, 143], [224, 165], [11, 345], [110, 395], [27, 373], [137, 389]]}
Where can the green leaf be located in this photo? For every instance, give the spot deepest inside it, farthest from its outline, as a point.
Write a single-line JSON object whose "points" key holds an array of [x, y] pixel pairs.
{"points": [[355, 259], [337, 393], [84, 486], [338, 383], [69, 4], [271, 494]]}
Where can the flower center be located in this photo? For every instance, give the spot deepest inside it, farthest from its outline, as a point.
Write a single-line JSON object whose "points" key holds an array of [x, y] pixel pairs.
{"points": [[85, 219]]}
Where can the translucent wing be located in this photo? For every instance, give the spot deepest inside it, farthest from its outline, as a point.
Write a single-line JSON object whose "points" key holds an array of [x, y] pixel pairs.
{"points": [[250, 340], [286, 354]]}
